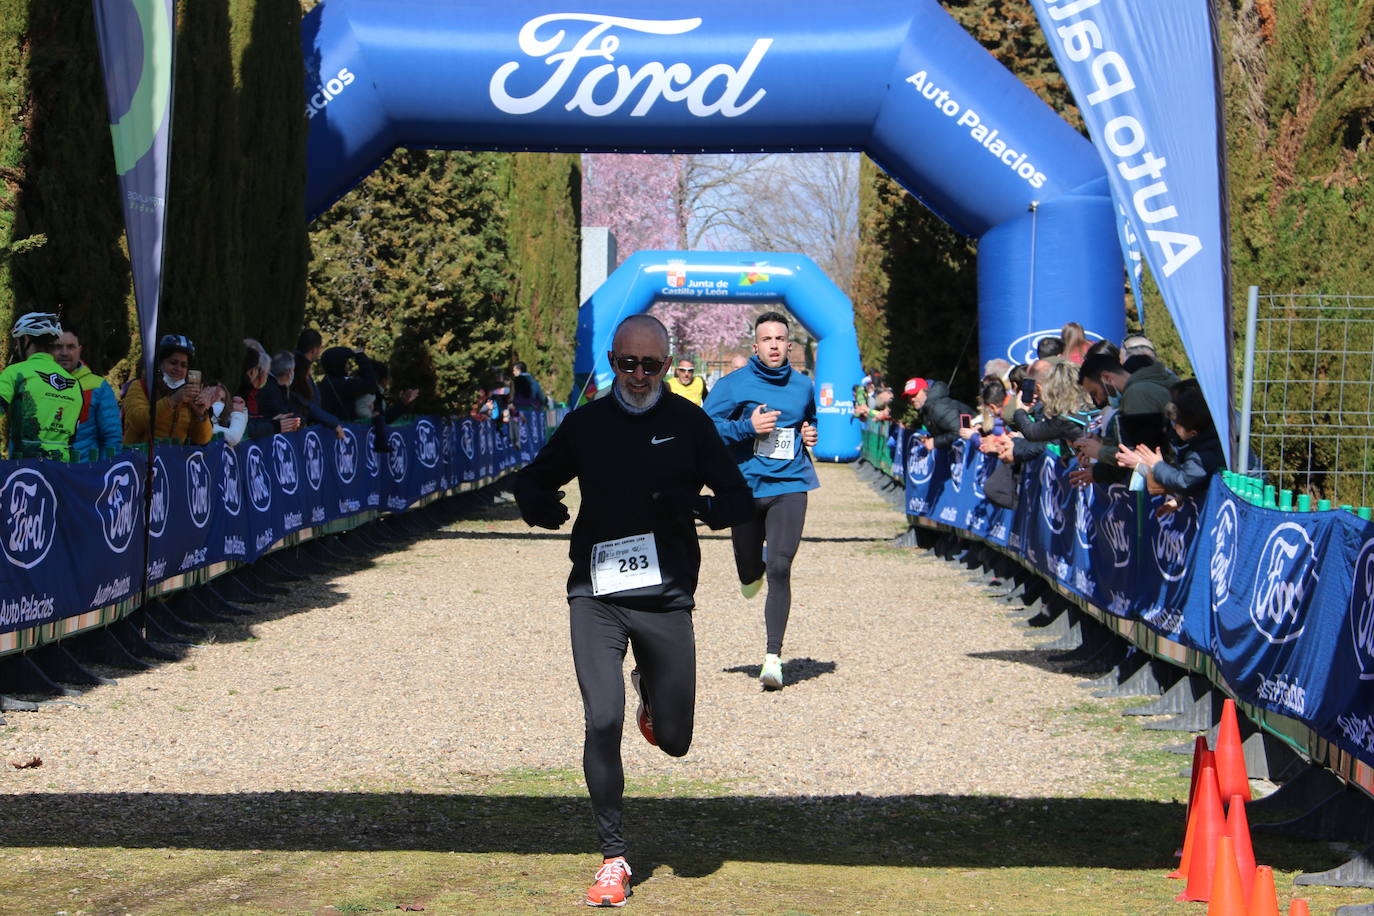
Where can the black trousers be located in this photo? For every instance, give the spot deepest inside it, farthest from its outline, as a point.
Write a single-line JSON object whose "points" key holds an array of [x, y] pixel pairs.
{"points": [[665, 653], [779, 521]]}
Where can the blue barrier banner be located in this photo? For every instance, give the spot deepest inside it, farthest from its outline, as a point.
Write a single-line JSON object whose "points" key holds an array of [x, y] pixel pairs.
{"points": [[1283, 602], [71, 535], [1146, 79]]}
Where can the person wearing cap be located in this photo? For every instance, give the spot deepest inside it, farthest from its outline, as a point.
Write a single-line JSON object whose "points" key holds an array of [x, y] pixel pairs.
{"points": [[936, 411], [41, 401], [686, 383], [181, 414], [100, 432], [766, 413]]}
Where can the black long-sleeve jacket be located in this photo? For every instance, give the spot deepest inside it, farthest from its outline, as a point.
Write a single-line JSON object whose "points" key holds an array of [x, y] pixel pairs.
{"points": [[640, 473]]}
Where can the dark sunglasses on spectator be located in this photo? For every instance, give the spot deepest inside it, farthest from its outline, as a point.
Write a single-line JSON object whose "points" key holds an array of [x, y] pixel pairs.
{"points": [[628, 364]]}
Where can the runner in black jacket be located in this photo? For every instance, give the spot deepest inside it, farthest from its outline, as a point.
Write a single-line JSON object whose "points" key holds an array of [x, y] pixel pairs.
{"points": [[641, 458]]}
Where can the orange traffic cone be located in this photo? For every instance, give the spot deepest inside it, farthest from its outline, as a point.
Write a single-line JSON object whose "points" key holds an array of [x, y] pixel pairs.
{"points": [[1207, 760], [1228, 899], [1264, 898], [1238, 828], [1199, 751], [1231, 776], [1208, 825], [1298, 908]]}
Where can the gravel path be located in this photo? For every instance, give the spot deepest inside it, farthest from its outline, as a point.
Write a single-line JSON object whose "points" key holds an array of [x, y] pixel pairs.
{"points": [[448, 659]]}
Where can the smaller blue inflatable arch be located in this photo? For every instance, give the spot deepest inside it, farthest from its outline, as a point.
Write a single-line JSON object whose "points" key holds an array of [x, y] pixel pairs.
{"points": [[647, 278]]}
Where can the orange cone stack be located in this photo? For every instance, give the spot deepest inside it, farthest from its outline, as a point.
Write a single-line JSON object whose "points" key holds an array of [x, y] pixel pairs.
{"points": [[1264, 897], [1200, 763], [1207, 824], [1238, 828], [1228, 899], [1231, 776], [1298, 908]]}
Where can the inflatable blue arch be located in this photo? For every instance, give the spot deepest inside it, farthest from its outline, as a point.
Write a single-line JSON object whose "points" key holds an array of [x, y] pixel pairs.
{"points": [[897, 79], [647, 278]]}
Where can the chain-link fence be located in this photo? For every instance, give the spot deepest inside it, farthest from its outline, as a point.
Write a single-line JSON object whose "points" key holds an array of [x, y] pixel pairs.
{"points": [[1308, 394]]}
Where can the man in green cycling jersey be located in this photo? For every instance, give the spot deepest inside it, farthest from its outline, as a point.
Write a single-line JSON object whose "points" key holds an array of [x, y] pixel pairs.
{"points": [[41, 401]]}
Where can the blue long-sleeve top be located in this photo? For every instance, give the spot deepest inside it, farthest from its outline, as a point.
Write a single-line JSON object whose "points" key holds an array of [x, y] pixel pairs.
{"points": [[101, 430], [730, 405]]}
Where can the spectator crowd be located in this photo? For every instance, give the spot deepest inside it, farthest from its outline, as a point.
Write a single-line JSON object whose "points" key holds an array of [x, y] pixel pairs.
{"points": [[57, 407], [1111, 415]]}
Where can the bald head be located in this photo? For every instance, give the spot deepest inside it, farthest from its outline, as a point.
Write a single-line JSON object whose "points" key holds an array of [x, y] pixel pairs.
{"points": [[641, 335]]}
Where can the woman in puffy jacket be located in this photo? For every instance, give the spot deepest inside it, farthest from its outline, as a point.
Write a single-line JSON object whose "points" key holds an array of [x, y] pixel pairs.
{"points": [[182, 413]]}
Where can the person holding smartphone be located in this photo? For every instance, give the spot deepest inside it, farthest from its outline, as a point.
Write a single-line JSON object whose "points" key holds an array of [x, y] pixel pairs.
{"points": [[179, 412], [936, 410]]}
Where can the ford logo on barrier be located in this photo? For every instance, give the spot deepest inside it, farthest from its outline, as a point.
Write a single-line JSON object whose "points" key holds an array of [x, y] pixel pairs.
{"points": [[956, 464], [1284, 577], [469, 440], [229, 491], [484, 439], [284, 457], [1022, 349], [1115, 525], [346, 456], [259, 481], [1083, 520], [29, 518], [920, 463], [1172, 536], [160, 503], [982, 470], [119, 505], [1051, 496], [1361, 611], [370, 453], [396, 458], [314, 460], [426, 444], [198, 489], [1225, 539]]}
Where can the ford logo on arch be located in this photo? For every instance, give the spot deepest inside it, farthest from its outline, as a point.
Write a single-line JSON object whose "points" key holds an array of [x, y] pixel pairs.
{"points": [[28, 517], [1022, 349]]}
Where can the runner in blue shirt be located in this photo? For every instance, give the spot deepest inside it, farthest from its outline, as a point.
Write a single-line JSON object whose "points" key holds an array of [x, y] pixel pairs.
{"points": [[766, 413]]}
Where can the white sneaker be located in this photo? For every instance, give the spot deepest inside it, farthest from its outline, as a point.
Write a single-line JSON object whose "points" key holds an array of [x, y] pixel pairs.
{"points": [[770, 676]]}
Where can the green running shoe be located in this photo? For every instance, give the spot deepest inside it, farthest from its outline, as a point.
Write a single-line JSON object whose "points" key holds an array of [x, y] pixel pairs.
{"points": [[750, 589], [770, 676]]}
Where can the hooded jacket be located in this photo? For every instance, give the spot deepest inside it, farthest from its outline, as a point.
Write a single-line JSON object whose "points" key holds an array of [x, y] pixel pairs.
{"points": [[940, 415], [100, 430]]}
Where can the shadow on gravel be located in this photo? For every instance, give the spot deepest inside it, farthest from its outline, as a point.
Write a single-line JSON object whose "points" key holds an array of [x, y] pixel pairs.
{"points": [[793, 670], [1036, 658], [693, 835]]}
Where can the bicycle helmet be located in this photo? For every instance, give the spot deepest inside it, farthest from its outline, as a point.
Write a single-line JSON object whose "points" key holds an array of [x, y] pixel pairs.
{"points": [[173, 342], [37, 324]]}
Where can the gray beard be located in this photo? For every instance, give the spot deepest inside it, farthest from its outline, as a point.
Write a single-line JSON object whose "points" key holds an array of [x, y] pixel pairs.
{"points": [[637, 403]]}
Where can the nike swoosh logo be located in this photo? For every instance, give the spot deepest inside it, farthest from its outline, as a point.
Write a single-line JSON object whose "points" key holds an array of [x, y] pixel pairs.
{"points": [[657, 441]]}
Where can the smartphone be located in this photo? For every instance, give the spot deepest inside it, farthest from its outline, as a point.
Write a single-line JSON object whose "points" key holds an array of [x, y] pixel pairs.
{"points": [[965, 421], [193, 376], [1027, 391]]}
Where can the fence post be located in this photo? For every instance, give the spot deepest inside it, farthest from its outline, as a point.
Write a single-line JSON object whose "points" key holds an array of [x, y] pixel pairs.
{"points": [[1248, 383]]}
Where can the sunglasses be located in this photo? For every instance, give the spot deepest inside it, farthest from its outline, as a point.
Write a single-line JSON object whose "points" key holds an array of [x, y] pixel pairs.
{"points": [[628, 364]]}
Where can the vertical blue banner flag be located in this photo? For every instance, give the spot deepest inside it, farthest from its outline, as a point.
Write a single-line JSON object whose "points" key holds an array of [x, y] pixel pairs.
{"points": [[1145, 78], [136, 38]]}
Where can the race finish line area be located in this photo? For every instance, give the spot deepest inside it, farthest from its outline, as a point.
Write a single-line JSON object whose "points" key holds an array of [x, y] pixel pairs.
{"points": [[407, 732]]}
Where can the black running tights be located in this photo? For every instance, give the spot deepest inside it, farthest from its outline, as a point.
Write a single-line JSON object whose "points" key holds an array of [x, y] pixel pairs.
{"points": [[665, 653], [777, 520]]}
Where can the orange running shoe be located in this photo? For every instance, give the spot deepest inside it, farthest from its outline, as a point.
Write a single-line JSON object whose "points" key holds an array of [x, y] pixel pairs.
{"points": [[612, 883], [644, 716]]}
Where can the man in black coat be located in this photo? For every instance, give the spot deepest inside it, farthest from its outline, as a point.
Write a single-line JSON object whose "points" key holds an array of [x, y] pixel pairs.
{"points": [[936, 411]]}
